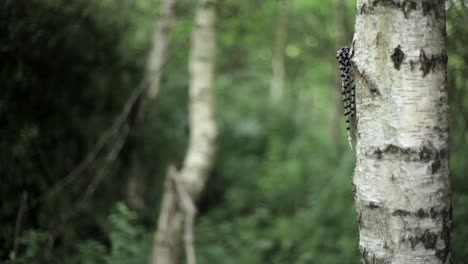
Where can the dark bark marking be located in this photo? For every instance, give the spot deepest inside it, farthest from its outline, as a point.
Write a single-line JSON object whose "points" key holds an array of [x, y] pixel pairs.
{"points": [[426, 153], [422, 214], [365, 256], [373, 205], [405, 6], [411, 62], [433, 213], [369, 258], [363, 8], [394, 149], [450, 216], [425, 62], [378, 154], [400, 212], [444, 252], [359, 218], [427, 7], [433, 6], [435, 165], [385, 245], [354, 190], [428, 239], [386, 3], [430, 63], [397, 57]]}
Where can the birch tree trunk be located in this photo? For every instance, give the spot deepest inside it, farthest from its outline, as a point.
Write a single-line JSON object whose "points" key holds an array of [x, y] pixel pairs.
{"points": [[401, 180], [161, 36], [278, 71], [200, 154]]}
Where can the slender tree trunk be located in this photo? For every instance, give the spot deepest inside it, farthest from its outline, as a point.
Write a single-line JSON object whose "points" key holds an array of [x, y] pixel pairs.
{"points": [[465, 12], [337, 113], [161, 36], [401, 179], [200, 154], [278, 78]]}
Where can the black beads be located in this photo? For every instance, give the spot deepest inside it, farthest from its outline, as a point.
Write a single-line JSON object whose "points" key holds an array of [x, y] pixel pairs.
{"points": [[347, 86]]}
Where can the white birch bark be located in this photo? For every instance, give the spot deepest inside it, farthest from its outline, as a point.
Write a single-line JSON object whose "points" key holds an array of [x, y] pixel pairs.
{"points": [[200, 154], [401, 180], [161, 36]]}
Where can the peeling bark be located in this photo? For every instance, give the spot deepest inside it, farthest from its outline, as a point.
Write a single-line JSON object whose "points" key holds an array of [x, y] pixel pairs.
{"points": [[401, 180], [200, 154]]}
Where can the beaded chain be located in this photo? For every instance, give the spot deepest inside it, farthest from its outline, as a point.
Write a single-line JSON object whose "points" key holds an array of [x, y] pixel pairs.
{"points": [[347, 88]]}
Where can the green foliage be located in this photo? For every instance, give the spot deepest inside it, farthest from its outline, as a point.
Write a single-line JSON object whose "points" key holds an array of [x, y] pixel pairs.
{"points": [[279, 192], [129, 242], [458, 99], [32, 242], [66, 68], [277, 203]]}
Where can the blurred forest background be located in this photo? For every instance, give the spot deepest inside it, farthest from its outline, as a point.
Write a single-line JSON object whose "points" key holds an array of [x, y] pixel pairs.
{"points": [[280, 190]]}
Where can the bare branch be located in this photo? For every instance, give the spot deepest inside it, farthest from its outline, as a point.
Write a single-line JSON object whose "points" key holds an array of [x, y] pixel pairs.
{"points": [[19, 220], [190, 210]]}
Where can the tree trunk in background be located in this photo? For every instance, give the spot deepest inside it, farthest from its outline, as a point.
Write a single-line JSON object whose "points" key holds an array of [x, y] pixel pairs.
{"points": [[337, 113], [401, 179], [138, 172], [277, 80], [465, 12], [200, 154], [162, 34]]}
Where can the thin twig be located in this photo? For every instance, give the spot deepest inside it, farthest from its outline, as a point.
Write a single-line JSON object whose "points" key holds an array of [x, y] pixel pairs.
{"points": [[19, 220], [190, 210]]}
